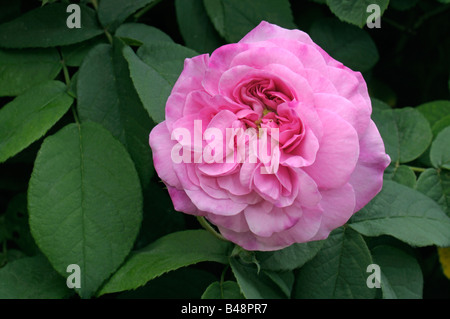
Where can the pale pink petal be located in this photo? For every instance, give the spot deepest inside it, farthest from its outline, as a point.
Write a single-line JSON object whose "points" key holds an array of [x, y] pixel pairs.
{"points": [[367, 178], [206, 203], [265, 31], [338, 206], [162, 145]]}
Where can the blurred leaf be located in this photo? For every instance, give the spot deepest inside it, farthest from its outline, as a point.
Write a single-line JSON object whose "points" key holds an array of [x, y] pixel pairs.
{"points": [[444, 258], [435, 110], [289, 258], [31, 278], [195, 27], [402, 174], [85, 202], [258, 285], [401, 276], [405, 132], [46, 27], [106, 95], [160, 218], [402, 5], [22, 69], [142, 33], [161, 65], [355, 11], [9, 10], [112, 13], [168, 253], [183, 283], [436, 185], [440, 150], [16, 222], [235, 18], [345, 43], [338, 271], [223, 290], [406, 214], [30, 115]]}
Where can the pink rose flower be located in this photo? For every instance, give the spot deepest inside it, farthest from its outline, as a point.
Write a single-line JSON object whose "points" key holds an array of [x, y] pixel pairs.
{"points": [[325, 162]]}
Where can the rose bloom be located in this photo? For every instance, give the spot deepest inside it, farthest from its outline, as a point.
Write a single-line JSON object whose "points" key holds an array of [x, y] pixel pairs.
{"points": [[329, 157]]}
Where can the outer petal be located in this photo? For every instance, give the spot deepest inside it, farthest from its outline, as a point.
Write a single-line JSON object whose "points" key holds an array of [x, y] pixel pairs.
{"points": [[338, 152], [367, 178], [265, 31], [338, 206], [162, 145], [181, 201], [190, 80]]}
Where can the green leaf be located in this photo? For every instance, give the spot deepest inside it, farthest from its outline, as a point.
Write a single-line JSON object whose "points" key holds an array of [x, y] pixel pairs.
{"points": [[142, 33], [346, 43], [112, 13], [436, 185], [168, 253], [435, 110], [401, 275], [22, 69], [355, 11], [289, 258], [440, 150], [235, 18], [379, 105], [161, 65], [406, 214], [106, 95], [30, 115], [31, 278], [223, 290], [85, 202], [440, 125], [338, 271], [183, 283], [46, 27], [405, 132], [195, 27], [257, 285], [402, 174]]}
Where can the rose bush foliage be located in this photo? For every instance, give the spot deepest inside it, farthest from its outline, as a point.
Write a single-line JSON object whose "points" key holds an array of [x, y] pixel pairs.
{"points": [[79, 187]]}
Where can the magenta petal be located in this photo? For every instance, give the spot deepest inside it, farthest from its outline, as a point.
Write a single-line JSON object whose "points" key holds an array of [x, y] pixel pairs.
{"points": [[338, 152], [206, 203]]}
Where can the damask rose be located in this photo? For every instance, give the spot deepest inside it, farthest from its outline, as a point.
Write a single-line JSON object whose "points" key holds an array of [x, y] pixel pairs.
{"points": [[270, 139]]}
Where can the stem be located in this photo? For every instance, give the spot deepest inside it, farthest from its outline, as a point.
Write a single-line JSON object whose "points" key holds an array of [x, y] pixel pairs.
{"points": [[430, 14], [417, 169], [109, 36], [209, 228], [95, 4], [144, 10], [66, 73]]}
